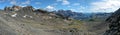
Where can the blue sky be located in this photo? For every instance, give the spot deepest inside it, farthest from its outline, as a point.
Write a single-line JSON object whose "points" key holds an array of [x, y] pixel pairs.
{"points": [[85, 6]]}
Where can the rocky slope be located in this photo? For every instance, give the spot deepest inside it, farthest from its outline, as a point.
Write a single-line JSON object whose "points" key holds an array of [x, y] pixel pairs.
{"points": [[18, 20], [30, 21], [114, 24]]}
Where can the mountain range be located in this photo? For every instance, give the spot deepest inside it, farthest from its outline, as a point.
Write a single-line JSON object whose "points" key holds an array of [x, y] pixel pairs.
{"points": [[17, 20]]}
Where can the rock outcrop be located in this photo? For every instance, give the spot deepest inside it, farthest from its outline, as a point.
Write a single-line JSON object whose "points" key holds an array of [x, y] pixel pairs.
{"points": [[114, 26], [13, 8], [26, 10], [16, 8], [7, 9]]}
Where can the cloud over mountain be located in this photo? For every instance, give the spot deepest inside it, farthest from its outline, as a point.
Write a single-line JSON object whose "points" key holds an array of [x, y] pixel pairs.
{"points": [[105, 5], [50, 8]]}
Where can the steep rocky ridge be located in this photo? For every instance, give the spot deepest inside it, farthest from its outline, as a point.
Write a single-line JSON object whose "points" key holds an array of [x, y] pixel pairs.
{"points": [[114, 24]]}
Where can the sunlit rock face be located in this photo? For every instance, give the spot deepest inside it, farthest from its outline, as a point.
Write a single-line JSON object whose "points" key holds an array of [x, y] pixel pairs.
{"points": [[27, 9], [114, 26], [16, 8], [13, 8]]}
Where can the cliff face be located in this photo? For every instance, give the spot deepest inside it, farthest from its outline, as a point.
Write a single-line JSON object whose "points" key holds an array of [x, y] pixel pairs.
{"points": [[114, 26]]}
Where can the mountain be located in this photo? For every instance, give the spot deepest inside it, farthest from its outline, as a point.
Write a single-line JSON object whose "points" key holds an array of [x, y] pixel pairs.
{"points": [[114, 24], [82, 16], [30, 21], [71, 14], [17, 20]]}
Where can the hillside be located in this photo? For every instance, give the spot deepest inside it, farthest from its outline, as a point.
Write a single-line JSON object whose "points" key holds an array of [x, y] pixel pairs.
{"points": [[18, 20], [114, 23]]}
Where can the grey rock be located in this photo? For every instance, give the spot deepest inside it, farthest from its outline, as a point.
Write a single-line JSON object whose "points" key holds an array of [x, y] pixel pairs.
{"points": [[114, 25]]}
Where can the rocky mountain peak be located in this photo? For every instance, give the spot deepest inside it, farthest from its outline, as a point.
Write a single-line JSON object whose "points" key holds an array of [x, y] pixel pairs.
{"points": [[16, 8], [13, 8]]}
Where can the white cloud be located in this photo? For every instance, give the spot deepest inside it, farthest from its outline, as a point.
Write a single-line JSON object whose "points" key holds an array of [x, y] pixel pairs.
{"points": [[72, 9], [22, 5], [64, 2], [50, 8], [105, 6], [17, 2]]}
